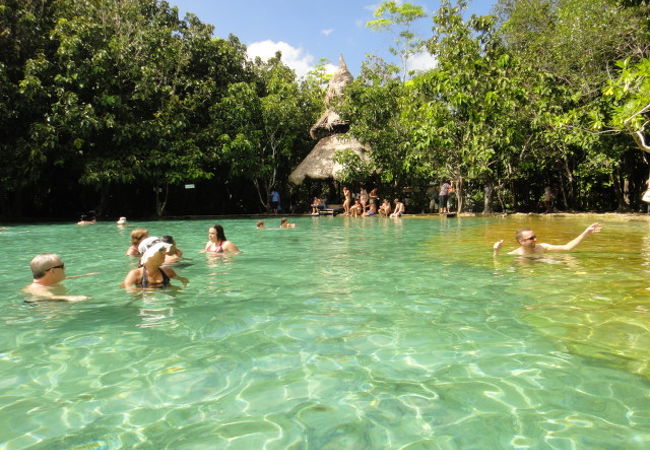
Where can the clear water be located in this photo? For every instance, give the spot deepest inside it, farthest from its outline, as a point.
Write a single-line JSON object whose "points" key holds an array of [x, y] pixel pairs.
{"points": [[339, 334]]}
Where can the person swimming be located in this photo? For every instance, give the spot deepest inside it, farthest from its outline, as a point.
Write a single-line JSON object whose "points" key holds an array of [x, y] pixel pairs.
{"points": [[150, 274], [137, 236], [284, 223], [217, 242], [529, 246]]}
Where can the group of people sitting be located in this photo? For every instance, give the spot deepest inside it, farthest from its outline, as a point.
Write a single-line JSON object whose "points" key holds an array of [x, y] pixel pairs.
{"points": [[363, 204], [366, 204]]}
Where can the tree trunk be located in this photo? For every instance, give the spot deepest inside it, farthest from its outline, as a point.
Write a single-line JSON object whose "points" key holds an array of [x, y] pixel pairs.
{"points": [[487, 200], [569, 197], [103, 200], [161, 203], [459, 195], [621, 191]]}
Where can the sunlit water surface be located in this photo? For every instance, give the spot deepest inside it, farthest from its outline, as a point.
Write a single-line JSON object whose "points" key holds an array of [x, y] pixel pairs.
{"points": [[338, 334]]}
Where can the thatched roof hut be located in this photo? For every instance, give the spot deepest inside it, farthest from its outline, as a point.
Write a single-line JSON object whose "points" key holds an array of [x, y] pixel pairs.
{"points": [[330, 129], [319, 164], [330, 122]]}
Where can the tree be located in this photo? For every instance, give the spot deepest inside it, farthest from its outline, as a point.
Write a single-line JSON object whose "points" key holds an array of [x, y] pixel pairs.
{"points": [[264, 124], [399, 18]]}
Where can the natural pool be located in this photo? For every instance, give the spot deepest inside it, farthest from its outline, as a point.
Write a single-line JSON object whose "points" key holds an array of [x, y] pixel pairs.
{"points": [[342, 333]]}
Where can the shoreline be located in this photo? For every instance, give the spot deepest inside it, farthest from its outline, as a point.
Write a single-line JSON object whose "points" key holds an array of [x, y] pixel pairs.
{"points": [[620, 216]]}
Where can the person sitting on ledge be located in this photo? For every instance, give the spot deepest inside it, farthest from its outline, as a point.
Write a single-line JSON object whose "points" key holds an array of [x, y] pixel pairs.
{"points": [[49, 271], [529, 246], [316, 206], [399, 208], [385, 208]]}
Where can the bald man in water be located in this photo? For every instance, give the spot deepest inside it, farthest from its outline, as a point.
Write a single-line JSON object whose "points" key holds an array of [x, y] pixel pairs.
{"points": [[529, 246], [49, 271]]}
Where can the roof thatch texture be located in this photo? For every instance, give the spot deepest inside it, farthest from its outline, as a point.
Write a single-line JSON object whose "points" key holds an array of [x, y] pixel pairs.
{"points": [[329, 122], [319, 164]]}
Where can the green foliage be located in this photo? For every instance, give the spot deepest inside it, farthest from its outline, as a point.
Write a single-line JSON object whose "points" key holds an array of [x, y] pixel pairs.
{"points": [[399, 18], [108, 97]]}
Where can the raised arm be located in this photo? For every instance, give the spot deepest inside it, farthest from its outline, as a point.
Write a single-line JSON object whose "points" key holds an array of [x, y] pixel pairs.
{"points": [[591, 229], [496, 247]]}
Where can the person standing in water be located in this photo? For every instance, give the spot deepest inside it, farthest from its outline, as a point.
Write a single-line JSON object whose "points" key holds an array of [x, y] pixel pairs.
{"points": [[150, 274], [528, 245], [49, 271], [217, 242]]}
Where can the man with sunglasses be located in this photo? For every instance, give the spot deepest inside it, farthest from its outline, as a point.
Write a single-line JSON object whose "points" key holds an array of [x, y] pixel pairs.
{"points": [[48, 271], [529, 246]]}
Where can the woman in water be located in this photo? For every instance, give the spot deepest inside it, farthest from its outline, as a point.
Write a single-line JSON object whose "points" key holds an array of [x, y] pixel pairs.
{"points": [[217, 242], [150, 274], [137, 236]]}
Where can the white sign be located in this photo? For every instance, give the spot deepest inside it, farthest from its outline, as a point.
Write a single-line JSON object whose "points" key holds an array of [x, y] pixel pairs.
{"points": [[189, 186]]}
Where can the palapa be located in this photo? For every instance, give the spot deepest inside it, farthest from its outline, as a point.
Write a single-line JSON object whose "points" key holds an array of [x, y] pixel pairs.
{"points": [[320, 164], [330, 122], [330, 129]]}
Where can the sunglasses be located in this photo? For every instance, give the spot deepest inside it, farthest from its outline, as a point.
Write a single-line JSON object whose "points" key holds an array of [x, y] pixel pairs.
{"points": [[61, 266], [532, 238]]}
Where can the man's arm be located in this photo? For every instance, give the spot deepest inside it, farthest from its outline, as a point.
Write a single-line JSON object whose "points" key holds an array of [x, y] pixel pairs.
{"points": [[82, 275], [496, 247], [591, 229], [42, 293]]}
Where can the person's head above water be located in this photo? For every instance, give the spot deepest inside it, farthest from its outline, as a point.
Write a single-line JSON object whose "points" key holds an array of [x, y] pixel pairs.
{"points": [[260, 224], [138, 235], [216, 232], [168, 239], [156, 252], [121, 221], [47, 267], [526, 237]]}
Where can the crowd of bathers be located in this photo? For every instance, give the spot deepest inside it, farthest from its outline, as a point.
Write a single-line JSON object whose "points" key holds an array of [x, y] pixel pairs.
{"points": [[362, 204], [157, 257]]}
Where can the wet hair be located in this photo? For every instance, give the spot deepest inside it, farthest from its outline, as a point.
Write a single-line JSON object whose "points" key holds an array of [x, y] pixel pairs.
{"points": [[42, 263], [520, 232], [221, 236], [168, 239], [138, 234], [260, 223]]}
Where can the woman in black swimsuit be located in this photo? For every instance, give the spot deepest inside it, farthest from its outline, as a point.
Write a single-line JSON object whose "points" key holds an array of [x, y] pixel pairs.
{"points": [[150, 274]]}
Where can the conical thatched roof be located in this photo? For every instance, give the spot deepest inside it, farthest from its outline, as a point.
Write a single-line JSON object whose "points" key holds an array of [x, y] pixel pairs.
{"points": [[319, 164], [330, 122]]}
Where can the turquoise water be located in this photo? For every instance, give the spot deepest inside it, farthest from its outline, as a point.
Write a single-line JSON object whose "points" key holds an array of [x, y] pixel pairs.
{"points": [[339, 334]]}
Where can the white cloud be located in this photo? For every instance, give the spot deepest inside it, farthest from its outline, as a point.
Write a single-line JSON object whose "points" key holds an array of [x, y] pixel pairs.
{"points": [[327, 32], [298, 59], [421, 62]]}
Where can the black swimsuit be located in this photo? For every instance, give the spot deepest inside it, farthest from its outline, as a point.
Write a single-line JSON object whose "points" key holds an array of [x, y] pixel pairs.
{"points": [[144, 282]]}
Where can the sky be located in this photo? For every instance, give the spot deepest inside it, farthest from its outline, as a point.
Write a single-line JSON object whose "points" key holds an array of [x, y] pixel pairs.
{"points": [[307, 30]]}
